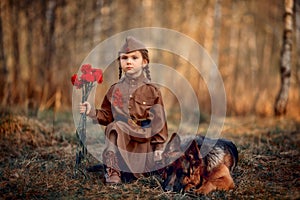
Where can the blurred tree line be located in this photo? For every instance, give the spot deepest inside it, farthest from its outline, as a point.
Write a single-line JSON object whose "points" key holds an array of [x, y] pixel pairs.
{"points": [[42, 43]]}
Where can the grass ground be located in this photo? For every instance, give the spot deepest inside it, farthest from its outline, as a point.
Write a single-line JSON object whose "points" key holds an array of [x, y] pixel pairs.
{"points": [[37, 162]]}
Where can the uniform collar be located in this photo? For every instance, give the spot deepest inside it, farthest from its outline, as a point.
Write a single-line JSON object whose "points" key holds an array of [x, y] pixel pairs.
{"points": [[136, 80]]}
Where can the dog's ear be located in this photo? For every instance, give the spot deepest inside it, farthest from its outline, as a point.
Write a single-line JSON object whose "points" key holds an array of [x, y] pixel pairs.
{"points": [[193, 152], [173, 144]]}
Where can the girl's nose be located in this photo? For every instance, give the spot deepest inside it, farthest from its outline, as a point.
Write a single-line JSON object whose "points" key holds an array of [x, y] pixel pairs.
{"points": [[129, 60]]}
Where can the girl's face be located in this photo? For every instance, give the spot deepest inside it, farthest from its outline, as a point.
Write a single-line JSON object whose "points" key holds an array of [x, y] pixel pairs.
{"points": [[132, 63]]}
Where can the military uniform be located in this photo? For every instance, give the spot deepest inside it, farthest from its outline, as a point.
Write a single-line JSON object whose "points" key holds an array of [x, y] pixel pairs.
{"points": [[133, 110]]}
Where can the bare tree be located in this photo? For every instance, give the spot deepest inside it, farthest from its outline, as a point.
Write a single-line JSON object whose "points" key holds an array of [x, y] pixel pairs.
{"points": [[297, 13], [285, 60], [3, 68]]}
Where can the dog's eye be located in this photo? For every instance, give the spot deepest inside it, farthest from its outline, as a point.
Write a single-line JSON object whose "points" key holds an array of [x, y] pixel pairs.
{"points": [[179, 172], [186, 172]]}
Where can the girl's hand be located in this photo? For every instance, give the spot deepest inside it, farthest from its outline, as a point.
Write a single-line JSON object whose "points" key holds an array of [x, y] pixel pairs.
{"points": [[158, 155], [85, 108]]}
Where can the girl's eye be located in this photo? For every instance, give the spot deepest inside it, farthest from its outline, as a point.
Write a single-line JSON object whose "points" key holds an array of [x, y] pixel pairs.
{"points": [[127, 57]]}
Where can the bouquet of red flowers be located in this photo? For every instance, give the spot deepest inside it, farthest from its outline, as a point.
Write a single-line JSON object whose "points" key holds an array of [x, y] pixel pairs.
{"points": [[88, 79]]}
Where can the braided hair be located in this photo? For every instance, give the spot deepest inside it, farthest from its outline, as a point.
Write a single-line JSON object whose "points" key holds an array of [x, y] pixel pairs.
{"points": [[145, 56], [120, 71]]}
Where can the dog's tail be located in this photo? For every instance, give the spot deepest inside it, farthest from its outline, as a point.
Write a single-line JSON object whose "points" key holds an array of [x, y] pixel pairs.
{"points": [[233, 151]]}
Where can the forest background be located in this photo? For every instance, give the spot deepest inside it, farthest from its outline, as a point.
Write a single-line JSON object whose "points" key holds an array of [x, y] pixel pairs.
{"points": [[44, 42]]}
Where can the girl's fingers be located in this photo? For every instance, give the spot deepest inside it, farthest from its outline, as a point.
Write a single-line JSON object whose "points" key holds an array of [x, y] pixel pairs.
{"points": [[82, 109], [158, 155], [85, 107]]}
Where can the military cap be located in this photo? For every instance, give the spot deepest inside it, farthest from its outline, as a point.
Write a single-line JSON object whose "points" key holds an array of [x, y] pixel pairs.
{"points": [[132, 44]]}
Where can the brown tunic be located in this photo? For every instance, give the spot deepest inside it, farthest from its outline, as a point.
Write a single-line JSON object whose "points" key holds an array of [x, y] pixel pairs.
{"points": [[133, 108]]}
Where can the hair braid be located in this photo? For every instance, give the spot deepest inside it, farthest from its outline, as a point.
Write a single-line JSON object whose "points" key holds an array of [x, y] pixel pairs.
{"points": [[145, 56], [120, 72], [147, 71]]}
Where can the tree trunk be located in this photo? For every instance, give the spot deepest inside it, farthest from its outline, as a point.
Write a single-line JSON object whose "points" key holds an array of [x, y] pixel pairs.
{"points": [[213, 76], [3, 67], [285, 60], [49, 20], [297, 13]]}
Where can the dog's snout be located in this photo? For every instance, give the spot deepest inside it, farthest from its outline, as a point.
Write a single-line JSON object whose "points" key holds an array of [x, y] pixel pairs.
{"points": [[167, 185], [168, 188]]}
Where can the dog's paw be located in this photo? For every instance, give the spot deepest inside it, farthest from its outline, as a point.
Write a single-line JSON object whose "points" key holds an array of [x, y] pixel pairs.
{"points": [[189, 188], [205, 189]]}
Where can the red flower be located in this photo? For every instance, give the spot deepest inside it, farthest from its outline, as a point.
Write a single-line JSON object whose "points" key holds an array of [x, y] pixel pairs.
{"points": [[73, 79], [76, 82], [98, 75], [87, 77], [86, 68]]}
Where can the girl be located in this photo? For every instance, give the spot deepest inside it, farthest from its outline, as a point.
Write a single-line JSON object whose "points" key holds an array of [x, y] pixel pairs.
{"points": [[133, 114]]}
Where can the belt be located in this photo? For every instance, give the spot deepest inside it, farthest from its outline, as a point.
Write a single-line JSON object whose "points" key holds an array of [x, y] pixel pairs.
{"points": [[142, 123]]}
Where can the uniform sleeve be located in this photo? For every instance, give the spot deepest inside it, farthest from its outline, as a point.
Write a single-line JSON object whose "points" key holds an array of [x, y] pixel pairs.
{"points": [[103, 115], [159, 123]]}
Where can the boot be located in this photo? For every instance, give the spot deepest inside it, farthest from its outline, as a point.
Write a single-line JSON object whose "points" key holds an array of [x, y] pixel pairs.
{"points": [[113, 174]]}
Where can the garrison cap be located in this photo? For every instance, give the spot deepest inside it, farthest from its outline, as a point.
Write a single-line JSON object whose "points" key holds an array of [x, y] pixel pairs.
{"points": [[132, 44]]}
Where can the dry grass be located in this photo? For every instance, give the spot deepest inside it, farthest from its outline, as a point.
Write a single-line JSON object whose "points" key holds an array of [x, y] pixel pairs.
{"points": [[37, 162]]}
